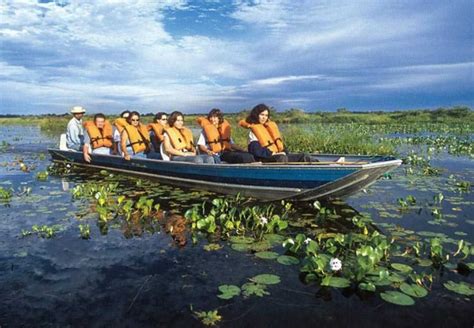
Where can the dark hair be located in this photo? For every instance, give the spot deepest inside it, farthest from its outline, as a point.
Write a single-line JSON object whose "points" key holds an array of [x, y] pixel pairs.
{"points": [[129, 118], [125, 112], [173, 117], [158, 116], [216, 112], [253, 116], [99, 115]]}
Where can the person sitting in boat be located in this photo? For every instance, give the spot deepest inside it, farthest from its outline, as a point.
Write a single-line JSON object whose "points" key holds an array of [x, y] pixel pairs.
{"points": [[118, 125], [75, 130], [178, 142], [215, 140], [264, 141], [157, 129], [134, 139], [98, 138]]}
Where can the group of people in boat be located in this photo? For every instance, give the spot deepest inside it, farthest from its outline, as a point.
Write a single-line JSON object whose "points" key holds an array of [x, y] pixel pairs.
{"points": [[168, 138]]}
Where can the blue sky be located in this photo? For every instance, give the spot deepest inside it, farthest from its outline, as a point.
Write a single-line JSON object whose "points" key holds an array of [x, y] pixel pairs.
{"points": [[196, 55]]}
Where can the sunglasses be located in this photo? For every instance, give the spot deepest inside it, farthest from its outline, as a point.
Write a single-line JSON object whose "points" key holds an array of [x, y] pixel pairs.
{"points": [[136, 120], [163, 119]]}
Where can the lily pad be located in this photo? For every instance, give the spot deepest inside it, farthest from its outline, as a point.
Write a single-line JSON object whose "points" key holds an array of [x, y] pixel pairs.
{"points": [[241, 240], [336, 282], [267, 255], [250, 288], [266, 279], [287, 260], [228, 291], [368, 286], [397, 298], [424, 262], [240, 247], [401, 267], [260, 246], [274, 238], [212, 247], [462, 288], [413, 290]]}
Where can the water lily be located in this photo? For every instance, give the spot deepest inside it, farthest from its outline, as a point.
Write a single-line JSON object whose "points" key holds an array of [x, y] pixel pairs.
{"points": [[335, 264], [307, 240], [288, 241], [263, 220]]}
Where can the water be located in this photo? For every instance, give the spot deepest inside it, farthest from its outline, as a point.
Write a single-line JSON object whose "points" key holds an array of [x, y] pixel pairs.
{"points": [[136, 274]]}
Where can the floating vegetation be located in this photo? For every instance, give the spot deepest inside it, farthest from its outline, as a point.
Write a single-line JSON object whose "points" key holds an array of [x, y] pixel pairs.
{"points": [[43, 231], [209, 318], [42, 176], [5, 194]]}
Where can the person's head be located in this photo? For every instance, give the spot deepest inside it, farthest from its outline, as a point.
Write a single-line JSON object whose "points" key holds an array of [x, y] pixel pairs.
{"points": [[215, 116], [161, 118], [134, 118], [259, 114], [125, 114], [78, 112], [176, 119], [99, 120]]}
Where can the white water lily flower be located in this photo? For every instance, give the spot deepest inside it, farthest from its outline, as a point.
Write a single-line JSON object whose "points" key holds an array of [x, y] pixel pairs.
{"points": [[263, 220], [288, 241], [68, 165], [307, 240], [335, 264]]}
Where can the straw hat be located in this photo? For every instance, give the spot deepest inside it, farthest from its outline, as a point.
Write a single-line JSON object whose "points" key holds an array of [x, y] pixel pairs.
{"points": [[78, 110]]}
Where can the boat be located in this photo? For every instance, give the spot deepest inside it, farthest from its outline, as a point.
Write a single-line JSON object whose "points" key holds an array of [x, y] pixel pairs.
{"points": [[326, 179]]}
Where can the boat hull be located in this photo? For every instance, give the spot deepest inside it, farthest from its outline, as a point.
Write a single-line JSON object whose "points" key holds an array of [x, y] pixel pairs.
{"points": [[300, 181]]}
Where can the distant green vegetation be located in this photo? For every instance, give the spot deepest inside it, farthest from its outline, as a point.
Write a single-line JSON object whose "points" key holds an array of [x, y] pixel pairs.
{"points": [[341, 132]]}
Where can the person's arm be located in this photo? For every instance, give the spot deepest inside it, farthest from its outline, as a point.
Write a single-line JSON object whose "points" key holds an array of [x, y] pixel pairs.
{"points": [[86, 149], [170, 150], [123, 144], [203, 148]]}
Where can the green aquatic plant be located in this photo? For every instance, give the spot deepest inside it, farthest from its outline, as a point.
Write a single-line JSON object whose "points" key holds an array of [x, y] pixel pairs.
{"points": [[85, 231], [5, 194], [43, 231], [42, 176], [209, 318], [462, 288], [230, 216]]}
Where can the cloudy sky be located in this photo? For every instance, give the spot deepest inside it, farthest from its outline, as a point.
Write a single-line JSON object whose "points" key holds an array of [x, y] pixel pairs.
{"points": [[195, 55]]}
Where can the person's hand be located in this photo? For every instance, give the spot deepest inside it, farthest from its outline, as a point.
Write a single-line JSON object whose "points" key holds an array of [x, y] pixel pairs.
{"points": [[87, 157], [127, 157]]}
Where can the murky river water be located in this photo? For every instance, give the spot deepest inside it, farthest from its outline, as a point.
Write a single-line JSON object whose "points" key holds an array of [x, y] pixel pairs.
{"points": [[129, 276]]}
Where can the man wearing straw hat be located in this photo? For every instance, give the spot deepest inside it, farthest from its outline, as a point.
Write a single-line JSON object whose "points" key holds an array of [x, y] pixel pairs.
{"points": [[75, 130]]}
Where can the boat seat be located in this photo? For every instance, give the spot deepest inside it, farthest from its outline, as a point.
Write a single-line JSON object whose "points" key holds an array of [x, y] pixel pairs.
{"points": [[164, 155], [62, 142]]}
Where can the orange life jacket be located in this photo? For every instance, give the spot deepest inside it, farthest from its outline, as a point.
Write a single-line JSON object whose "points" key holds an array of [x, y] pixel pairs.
{"points": [[158, 129], [120, 123], [138, 137], [218, 138], [180, 138], [99, 138], [267, 134]]}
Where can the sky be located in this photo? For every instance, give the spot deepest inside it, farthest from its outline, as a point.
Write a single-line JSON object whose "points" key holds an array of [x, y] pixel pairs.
{"points": [[196, 55]]}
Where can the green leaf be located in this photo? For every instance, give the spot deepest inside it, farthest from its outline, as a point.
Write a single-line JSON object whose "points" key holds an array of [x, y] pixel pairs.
{"points": [[367, 286], [266, 279], [274, 238], [425, 262], [212, 247], [401, 267], [241, 240], [287, 260], [250, 288], [260, 246], [240, 247], [413, 290], [397, 298], [462, 288], [228, 291], [266, 255], [336, 282]]}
